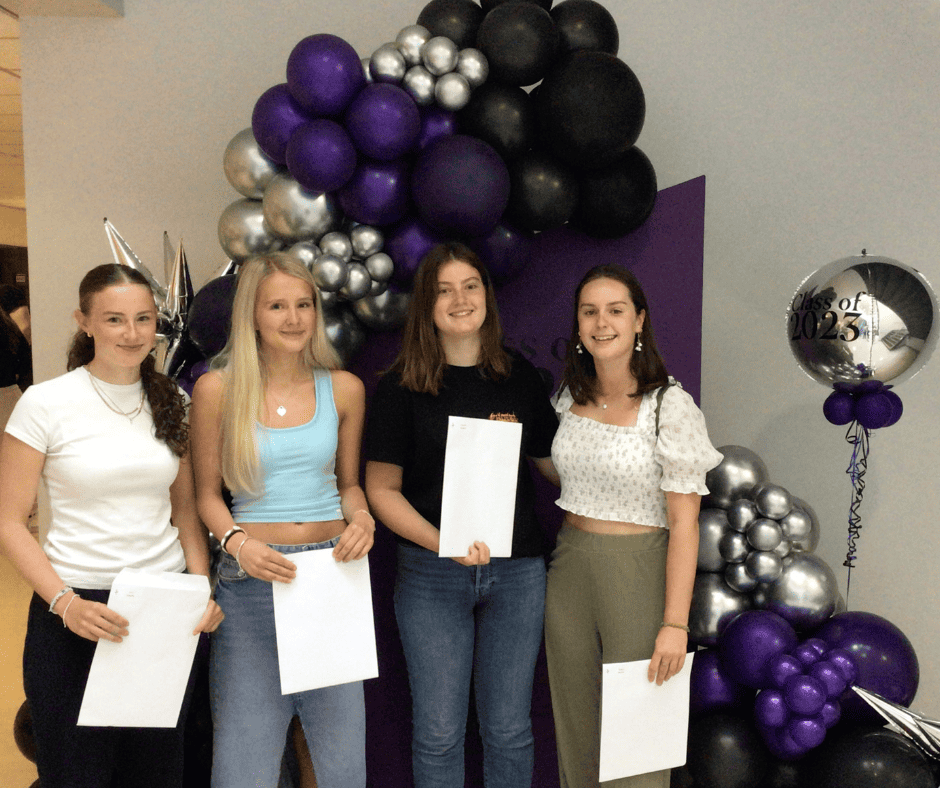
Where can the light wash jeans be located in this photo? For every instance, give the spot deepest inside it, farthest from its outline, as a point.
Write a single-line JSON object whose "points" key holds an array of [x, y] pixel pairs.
{"points": [[249, 714], [459, 623]]}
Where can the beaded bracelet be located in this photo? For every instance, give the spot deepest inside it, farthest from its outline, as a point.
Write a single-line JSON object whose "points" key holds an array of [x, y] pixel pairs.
{"points": [[683, 627], [57, 597], [228, 535]]}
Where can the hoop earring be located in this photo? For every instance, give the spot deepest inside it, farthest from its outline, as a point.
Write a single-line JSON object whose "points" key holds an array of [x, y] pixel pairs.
{"points": [[639, 344]]}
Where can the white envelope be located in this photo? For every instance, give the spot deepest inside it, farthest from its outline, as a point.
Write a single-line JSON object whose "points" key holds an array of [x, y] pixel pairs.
{"points": [[141, 681], [324, 623], [644, 727], [481, 467]]}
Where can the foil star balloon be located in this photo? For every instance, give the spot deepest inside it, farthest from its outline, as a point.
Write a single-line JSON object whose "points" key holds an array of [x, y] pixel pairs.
{"points": [[923, 732], [124, 255]]}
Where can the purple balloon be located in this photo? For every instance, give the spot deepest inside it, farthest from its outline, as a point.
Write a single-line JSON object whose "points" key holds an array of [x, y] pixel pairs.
{"points": [[830, 677], [804, 695], [806, 654], [435, 122], [845, 663], [884, 657], [378, 192], [383, 121], [897, 407], [781, 667], [407, 243], [839, 408], [505, 251], [831, 713], [807, 732], [320, 155], [770, 709], [323, 74], [210, 314], [750, 641], [274, 119], [874, 411], [781, 744], [460, 185], [711, 688]]}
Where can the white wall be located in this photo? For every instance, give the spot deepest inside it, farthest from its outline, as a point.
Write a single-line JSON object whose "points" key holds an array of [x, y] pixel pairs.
{"points": [[813, 122]]}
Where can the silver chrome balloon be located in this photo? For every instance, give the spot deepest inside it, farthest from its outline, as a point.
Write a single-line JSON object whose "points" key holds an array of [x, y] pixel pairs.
{"points": [[738, 578], [243, 231], [712, 526], [714, 604], [764, 567], [366, 241], [330, 300], [384, 312], [805, 594], [380, 266], [439, 55], [377, 288], [764, 534], [358, 284], [808, 543], [741, 513], [247, 168], [305, 252], [863, 318], [229, 267], [345, 333], [733, 547], [330, 273], [410, 40], [452, 92], [473, 65], [734, 477], [337, 244], [797, 526], [365, 68], [296, 214], [784, 548], [772, 500], [387, 64], [419, 84]]}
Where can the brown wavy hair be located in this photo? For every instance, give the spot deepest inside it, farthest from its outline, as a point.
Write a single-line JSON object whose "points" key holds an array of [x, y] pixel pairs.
{"points": [[166, 401], [646, 366], [421, 362]]}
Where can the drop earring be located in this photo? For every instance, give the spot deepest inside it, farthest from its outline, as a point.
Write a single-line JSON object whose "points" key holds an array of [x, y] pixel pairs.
{"points": [[580, 348], [639, 345]]}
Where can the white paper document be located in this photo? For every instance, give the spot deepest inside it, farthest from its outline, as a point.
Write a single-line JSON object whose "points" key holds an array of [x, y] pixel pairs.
{"points": [[324, 623], [141, 681], [481, 467], [644, 727]]}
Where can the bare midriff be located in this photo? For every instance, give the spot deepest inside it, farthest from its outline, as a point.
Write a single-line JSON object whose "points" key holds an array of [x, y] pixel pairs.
{"points": [[594, 526], [294, 533]]}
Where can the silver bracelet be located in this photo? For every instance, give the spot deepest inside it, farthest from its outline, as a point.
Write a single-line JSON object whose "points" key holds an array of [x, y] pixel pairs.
{"points": [[228, 535], [74, 596], [238, 552], [57, 597]]}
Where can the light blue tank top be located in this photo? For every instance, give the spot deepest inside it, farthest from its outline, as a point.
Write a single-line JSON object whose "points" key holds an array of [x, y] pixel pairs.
{"points": [[298, 467]]}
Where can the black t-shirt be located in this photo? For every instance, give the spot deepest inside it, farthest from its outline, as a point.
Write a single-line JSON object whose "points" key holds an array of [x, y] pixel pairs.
{"points": [[410, 430]]}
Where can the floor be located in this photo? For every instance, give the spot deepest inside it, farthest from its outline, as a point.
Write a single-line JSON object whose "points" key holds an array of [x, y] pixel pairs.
{"points": [[16, 771]]}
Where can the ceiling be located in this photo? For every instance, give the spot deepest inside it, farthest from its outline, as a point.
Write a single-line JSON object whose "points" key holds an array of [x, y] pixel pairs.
{"points": [[12, 188]]}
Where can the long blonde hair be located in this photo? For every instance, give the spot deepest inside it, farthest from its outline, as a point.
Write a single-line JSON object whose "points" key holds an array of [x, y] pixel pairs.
{"points": [[243, 372]]}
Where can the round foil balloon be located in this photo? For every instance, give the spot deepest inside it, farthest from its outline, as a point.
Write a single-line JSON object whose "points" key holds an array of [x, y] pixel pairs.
{"points": [[248, 168], [862, 318], [734, 477]]}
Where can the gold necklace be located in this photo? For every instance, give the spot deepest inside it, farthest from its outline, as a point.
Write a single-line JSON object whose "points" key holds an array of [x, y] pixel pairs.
{"points": [[111, 404]]}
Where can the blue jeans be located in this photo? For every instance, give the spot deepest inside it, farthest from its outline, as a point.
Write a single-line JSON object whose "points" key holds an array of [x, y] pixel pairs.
{"points": [[249, 714], [458, 624]]}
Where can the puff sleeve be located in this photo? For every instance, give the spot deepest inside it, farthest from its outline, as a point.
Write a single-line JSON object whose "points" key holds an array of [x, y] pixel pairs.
{"points": [[683, 448]]}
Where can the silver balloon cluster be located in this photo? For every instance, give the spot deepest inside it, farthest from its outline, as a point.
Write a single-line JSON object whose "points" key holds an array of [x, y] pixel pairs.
{"points": [[351, 266], [755, 550], [172, 301], [431, 69]]}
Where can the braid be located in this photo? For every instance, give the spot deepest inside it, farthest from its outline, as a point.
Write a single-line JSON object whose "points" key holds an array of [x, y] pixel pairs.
{"points": [[167, 407]]}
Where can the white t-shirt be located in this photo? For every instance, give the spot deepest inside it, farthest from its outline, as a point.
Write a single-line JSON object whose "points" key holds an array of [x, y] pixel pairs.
{"points": [[108, 479]]}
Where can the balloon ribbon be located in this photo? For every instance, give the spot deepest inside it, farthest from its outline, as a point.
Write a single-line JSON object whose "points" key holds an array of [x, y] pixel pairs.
{"points": [[858, 437]]}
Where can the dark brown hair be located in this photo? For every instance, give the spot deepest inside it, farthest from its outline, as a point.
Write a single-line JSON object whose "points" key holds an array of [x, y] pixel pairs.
{"points": [[421, 361], [166, 402], [646, 366]]}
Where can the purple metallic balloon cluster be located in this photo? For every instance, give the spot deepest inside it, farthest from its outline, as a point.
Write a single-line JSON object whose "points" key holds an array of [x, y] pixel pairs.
{"points": [[871, 403]]}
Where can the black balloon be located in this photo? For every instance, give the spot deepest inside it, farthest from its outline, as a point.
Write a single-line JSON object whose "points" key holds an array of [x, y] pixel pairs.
{"points": [[489, 5], [725, 751], [591, 109], [543, 192], [456, 19], [210, 314], [869, 758], [502, 115], [585, 24], [520, 41], [616, 201]]}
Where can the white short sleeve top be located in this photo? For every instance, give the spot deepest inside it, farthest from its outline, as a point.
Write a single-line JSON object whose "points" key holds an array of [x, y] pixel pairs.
{"points": [[618, 473], [108, 479]]}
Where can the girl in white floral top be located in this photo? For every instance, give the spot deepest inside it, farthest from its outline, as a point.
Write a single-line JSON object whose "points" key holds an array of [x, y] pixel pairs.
{"points": [[631, 453]]}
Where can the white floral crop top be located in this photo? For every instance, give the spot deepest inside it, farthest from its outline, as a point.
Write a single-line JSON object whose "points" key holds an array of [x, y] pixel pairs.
{"points": [[620, 473]]}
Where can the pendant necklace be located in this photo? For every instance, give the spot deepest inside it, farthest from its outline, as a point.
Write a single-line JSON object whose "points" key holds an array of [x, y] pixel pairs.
{"points": [[111, 404]]}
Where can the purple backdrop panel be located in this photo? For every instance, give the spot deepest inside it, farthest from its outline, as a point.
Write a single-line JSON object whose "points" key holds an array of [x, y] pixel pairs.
{"points": [[666, 255]]}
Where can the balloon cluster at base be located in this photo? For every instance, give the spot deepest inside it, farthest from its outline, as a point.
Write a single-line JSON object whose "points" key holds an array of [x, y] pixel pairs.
{"points": [[484, 124]]}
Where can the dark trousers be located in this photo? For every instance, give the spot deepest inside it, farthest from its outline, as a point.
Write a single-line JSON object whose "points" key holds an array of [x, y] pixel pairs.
{"points": [[56, 663]]}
